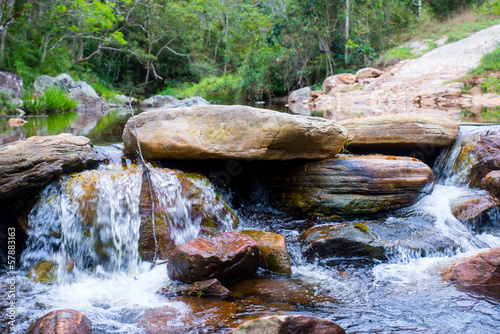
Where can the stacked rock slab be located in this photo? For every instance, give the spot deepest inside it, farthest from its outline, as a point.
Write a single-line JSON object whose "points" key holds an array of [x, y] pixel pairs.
{"points": [[352, 185], [30, 164], [232, 132]]}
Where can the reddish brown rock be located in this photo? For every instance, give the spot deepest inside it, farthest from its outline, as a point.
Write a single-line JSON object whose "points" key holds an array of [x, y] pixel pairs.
{"points": [[477, 270], [352, 185], [16, 122], [288, 324], [62, 321], [227, 257], [338, 79], [474, 209], [491, 182], [273, 251]]}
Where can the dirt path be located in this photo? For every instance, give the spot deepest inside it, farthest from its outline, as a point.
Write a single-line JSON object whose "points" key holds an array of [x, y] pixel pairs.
{"points": [[422, 84]]}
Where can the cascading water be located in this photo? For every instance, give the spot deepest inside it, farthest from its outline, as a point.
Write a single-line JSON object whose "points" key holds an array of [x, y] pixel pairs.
{"points": [[115, 289]]}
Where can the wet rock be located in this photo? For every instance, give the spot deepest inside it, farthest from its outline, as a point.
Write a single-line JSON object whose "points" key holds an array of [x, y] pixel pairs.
{"points": [[15, 122], [373, 239], [288, 324], [352, 185], [410, 131], [158, 101], [232, 132], [273, 251], [30, 164], [46, 271], [367, 73], [338, 79], [491, 183], [476, 211], [201, 205], [206, 288], [11, 84], [62, 321], [195, 314], [482, 269], [228, 256], [300, 95]]}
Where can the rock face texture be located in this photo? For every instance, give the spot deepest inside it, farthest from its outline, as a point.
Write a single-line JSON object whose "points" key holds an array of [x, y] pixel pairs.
{"points": [[227, 257], [491, 182], [167, 101], [232, 132], [351, 185], [30, 164], [300, 95], [11, 83], [62, 321], [336, 80], [475, 209], [402, 130], [273, 251], [481, 269], [289, 324]]}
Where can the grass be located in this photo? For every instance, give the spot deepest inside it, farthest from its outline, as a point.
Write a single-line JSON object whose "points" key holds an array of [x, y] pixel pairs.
{"points": [[394, 55], [211, 88], [7, 104], [488, 70], [52, 100]]}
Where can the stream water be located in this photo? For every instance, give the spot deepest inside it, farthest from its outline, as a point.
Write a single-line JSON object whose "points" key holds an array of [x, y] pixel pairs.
{"points": [[118, 293]]}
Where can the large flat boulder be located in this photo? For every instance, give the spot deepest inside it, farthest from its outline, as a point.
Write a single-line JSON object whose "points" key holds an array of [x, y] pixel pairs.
{"points": [[288, 324], [232, 132], [30, 164], [403, 130], [352, 185], [228, 256]]}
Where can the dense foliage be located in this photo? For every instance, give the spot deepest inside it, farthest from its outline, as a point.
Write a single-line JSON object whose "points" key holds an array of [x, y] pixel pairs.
{"points": [[256, 48]]}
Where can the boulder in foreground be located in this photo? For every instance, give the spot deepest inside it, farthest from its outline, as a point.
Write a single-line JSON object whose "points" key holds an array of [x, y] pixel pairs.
{"points": [[30, 164], [228, 256], [62, 321], [288, 324], [352, 185], [232, 132]]}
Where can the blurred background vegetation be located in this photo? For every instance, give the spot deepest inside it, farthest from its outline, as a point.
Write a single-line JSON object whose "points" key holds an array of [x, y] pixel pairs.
{"points": [[222, 49]]}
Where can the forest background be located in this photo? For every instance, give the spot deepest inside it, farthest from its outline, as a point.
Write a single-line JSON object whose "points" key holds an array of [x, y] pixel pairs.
{"points": [[251, 49]]}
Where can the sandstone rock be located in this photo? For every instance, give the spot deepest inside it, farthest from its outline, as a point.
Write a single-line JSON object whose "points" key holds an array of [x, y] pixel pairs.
{"points": [[475, 210], [62, 81], [335, 80], [62, 321], [87, 89], [205, 207], [367, 73], [227, 257], [300, 95], [273, 251], [288, 324], [482, 269], [11, 83], [411, 131], [232, 132], [373, 239], [30, 164], [491, 182], [158, 101], [352, 185], [87, 103], [189, 102], [207, 288], [15, 122]]}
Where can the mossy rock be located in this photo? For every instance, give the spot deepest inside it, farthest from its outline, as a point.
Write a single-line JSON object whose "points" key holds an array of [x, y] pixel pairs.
{"points": [[46, 271], [273, 251]]}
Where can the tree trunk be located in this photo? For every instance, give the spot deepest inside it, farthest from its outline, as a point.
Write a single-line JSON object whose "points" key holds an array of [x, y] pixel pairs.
{"points": [[346, 52]]}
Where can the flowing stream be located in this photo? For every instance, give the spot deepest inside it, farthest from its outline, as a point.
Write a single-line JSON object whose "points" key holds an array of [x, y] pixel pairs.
{"points": [[117, 291]]}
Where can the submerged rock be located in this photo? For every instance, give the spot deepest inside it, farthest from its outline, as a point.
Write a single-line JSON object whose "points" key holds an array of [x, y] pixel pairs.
{"points": [[206, 288], [273, 251], [15, 122], [228, 256], [232, 132], [410, 131], [352, 185], [183, 201], [482, 269], [289, 324], [30, 164], [62, 321], [373, 239]]}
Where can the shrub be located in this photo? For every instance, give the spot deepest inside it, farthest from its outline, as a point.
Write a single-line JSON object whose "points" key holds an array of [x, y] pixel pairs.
{"points": [[52, 100]]}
